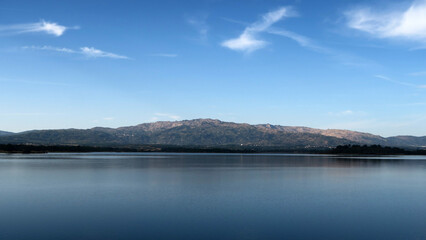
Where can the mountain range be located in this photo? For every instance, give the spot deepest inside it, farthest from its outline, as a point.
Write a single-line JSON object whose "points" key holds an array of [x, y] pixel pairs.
{"points": [[207, 132]]}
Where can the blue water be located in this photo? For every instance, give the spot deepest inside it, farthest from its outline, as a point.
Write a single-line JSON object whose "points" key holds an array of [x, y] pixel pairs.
{"points": [[211, 196]]}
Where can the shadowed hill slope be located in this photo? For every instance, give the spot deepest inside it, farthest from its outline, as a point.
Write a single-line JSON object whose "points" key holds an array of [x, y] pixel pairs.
{"points": [[3, 133]]}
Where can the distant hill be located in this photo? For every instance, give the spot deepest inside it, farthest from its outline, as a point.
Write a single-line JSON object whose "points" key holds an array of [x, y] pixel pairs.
{"points": [[207, 132], [3, 133], [407, 141]]}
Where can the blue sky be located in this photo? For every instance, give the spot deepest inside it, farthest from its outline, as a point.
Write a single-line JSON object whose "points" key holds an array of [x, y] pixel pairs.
{"points": [[358, 65]]}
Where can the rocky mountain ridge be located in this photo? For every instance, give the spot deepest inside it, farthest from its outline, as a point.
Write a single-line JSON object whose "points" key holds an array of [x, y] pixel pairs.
{"points": [[209, 132]]}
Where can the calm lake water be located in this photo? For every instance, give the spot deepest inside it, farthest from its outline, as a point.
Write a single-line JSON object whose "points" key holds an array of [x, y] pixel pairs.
{"points": [[211, 196]]}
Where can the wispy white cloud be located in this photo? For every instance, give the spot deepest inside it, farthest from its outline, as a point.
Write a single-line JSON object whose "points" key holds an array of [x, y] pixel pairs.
{"points": [[341, 57], [342, 113], [168, 55], [301, 40], [166, 115], [249, 41], [399, 82], [96, 53], [50, 48], [200, 25], [42, 26], [418, 74], [235, 21], [347, 113], [408, 23], [86, 51]]}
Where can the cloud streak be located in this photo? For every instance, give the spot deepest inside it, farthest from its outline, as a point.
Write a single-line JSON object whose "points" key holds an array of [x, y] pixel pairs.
{"points": [[96, 53], [301, 40], [167, 55], [409, 23], [418, 74], [343, 58], [86, 51], [399, 82], [165, 115], [50, 48], [200, 25], [342, 113], [249, 41], [37, 27]]}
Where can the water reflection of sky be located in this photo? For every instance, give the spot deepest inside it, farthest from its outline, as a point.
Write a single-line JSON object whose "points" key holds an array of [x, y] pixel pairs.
{"points": [[210, 196]]}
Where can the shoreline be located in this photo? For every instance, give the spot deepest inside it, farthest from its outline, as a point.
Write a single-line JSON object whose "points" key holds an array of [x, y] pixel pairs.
{"points": [[358, 150]]}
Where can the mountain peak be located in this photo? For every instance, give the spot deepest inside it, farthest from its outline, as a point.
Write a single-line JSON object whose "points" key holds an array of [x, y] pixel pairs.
{"points": [[204, 120]]}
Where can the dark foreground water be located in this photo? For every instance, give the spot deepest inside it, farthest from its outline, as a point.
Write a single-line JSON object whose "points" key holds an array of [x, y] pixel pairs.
{"points": [[211, 196]]}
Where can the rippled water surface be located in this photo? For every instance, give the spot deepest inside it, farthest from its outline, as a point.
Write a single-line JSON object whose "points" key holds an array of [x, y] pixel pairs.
{"points": [[211, 196]]}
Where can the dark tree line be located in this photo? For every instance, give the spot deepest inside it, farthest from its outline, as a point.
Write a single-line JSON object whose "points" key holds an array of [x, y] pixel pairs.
{"points": [[342, 149], [375, 150], [22, 148]]}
